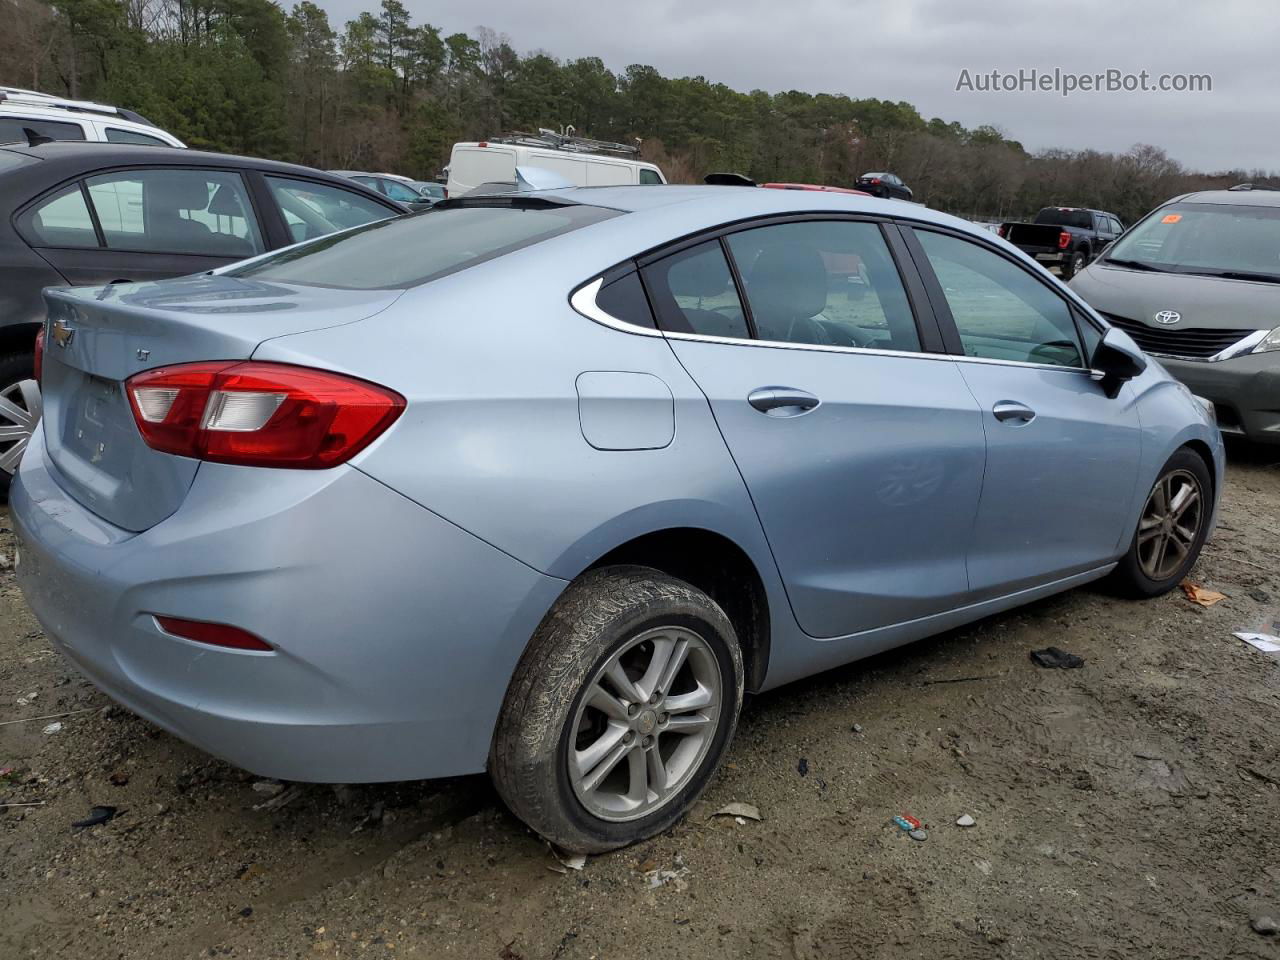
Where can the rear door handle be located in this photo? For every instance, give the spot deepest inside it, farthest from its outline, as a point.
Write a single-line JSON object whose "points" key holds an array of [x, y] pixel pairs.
{"points": [[782, 401], [1012, 410]]}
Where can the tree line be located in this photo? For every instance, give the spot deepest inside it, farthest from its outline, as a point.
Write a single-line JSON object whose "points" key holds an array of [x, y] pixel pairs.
{"points": [[386, 93]]}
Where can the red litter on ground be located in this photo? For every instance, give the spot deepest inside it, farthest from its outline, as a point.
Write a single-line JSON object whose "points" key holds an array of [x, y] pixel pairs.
{"points": [[907, 822]]}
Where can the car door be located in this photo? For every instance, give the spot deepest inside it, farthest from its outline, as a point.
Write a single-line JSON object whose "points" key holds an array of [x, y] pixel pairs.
{"points": [[862, 449], [144, 223], [1062, 456]]}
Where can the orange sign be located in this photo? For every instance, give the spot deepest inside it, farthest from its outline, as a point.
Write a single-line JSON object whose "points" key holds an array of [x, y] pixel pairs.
{"points": [[1171, 218]]}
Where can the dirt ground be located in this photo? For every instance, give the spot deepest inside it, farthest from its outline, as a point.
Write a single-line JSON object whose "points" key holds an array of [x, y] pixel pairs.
{"points": [[1128, 808]]}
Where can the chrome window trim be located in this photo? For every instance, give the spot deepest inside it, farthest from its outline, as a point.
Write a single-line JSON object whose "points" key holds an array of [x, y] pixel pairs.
{"points": [[583, 300]]}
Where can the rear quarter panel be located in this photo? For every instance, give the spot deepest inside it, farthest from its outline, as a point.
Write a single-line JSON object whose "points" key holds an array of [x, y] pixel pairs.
{"points": [[488, 360]]}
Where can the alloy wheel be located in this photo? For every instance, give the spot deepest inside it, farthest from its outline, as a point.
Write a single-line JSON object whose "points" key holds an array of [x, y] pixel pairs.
{"points": [[1170, 524], [645, 724], [20, 408]]}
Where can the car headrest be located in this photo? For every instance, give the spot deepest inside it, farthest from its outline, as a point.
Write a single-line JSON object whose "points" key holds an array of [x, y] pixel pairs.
{"points": [[699, 276], [226, 202], [174, 190], [788, 280]]}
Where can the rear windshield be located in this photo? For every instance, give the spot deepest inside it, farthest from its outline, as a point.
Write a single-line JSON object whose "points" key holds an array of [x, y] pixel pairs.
{"points": [[1059, 217], [407, 251], [9, 160]]}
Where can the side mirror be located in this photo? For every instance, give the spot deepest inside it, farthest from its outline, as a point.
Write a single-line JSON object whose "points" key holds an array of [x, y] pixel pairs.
{"points": [[1117, 359]]}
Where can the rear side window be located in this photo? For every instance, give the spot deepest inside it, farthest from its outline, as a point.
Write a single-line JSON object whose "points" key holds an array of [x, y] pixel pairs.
{"points": [[407, 251], [316, 210], [624, 299], [60, 220], [14, 129], [399, 191], [1001, 311], [825, 282], [694, 292], [116, 135], [204, 212]]}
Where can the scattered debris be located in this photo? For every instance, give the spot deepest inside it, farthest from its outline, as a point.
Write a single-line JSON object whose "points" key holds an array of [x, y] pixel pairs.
{"points": [[984, 676], [53, 728], [47, 716], [570, 861], [1267, 926], [508, 952], [918, 835], [1201, 595], [857, 728], [1054, 657], [247, 912], [119, 778], [268, 788], [739, 811], [907, 822], [674, 878], [1265, 642], [23, 701], [27, 803], [97, 817], [966, 821], [803, 767], [280, 799]]}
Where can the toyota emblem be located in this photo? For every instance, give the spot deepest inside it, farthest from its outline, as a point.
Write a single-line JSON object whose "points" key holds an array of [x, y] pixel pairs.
{"points": [[1167, 317]]}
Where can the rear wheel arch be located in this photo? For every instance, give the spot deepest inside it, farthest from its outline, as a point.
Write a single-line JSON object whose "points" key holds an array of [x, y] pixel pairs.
{"points": [[19, 337], [720, 568]]}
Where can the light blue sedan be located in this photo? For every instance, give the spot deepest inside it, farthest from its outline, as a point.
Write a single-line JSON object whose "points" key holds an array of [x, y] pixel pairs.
{"points": [[541, 483]]}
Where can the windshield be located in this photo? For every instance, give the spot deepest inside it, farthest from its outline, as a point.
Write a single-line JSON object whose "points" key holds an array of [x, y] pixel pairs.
{"points": [[1065, 217], [1208, 238], [407, 251]]}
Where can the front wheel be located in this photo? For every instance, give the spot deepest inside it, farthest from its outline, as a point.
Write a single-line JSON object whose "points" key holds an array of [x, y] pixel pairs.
{"points": [[620, 710], [1171, 530], [19, 412]]}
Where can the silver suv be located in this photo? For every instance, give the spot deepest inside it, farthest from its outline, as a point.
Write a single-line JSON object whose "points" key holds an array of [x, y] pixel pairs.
{"points": [[1197, 284], [61, 119]]}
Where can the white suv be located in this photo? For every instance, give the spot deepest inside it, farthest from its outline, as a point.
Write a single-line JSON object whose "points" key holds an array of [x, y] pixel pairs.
{"points": [[59, 119]]}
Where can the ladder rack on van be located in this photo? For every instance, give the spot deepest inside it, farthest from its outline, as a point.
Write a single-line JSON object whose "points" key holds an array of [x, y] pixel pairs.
{"points": [[551, 140]]}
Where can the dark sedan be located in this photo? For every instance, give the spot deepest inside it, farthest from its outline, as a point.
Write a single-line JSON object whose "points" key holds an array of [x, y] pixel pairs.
{"points": [[885, 185], [93, 213]]}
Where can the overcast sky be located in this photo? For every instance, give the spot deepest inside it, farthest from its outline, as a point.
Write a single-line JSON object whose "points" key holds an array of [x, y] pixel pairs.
{"points": [[915, 50]]}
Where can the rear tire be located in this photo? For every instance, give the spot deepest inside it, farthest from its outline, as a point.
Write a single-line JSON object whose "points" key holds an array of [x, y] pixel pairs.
{"points": [[1077, 262], [19, 412], [1171, 528], [590, 750]]}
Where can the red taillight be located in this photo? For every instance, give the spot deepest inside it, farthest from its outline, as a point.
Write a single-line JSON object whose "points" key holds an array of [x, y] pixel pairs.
{"points": [[39, 354], [216, 634], [1002, 230], [1064, 240], [875, 179], [259, 414]]}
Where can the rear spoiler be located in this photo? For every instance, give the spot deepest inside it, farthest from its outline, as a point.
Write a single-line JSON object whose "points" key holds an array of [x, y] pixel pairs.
{"points": [[728, 180]]}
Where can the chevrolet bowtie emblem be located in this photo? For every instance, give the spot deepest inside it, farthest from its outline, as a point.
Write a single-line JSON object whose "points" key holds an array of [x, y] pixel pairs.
{"points": [[62, 334]]}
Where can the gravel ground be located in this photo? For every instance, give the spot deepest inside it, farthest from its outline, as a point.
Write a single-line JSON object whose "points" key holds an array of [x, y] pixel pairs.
{"points": [[1126, 808]]}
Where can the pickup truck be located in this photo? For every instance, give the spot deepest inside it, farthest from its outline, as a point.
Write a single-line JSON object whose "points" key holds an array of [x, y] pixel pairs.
{"points": [[1066, 236]]}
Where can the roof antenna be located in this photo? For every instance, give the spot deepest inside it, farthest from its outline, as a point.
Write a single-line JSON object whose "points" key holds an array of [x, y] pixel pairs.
{"points": [[35, 139]]}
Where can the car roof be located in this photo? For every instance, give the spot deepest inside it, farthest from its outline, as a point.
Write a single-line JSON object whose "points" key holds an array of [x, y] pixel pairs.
{"points": [[77, 155], [1257, 197]]}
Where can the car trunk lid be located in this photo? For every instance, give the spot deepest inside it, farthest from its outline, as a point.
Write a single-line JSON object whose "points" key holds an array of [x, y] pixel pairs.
{"points": [[98, 338]]}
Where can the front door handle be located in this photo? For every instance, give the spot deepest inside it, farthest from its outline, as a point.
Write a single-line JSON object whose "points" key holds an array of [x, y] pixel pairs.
{"points": [[1012, 410], [782, 401]]}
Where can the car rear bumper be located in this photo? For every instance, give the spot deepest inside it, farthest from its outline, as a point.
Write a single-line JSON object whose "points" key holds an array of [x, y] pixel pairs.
{"points": [[1245, 392], [395, 632]]}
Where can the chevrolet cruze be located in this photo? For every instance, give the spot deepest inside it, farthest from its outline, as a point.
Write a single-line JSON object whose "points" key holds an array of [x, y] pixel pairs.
{"points": [[539, 484]]}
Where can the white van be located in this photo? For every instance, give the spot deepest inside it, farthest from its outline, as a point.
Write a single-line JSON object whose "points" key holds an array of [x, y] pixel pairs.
{"points": [[495, 162]]}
